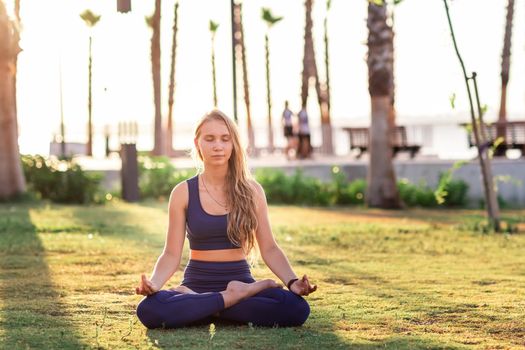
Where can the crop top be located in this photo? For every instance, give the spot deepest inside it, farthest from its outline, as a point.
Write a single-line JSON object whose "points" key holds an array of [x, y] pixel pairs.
{"points": [[205, 231]]}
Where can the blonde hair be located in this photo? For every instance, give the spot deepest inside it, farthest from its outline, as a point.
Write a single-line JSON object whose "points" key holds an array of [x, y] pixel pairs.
{"points": [[240, 194]]}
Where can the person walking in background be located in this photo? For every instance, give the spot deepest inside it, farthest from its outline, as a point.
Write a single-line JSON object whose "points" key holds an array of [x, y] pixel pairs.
{"points": [[288, 130], [304, 148]]}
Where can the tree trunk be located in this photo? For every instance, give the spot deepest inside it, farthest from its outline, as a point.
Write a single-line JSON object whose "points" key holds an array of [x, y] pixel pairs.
{"points": [[214, 80], [505, 68], [382, 188], [240, 50], [169, 134], [327, 126], [309, 72], [158, 148], [392, 114], [89, 148], [17, 40], [12, 180], [268, 95]]}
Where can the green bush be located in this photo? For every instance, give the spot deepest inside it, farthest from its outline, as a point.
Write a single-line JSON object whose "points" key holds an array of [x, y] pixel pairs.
{"points": [[416, 195], [277, 186], [456, 193], [347, 192], [60, 180], [295, 189], [301, 189], [158, 176]]}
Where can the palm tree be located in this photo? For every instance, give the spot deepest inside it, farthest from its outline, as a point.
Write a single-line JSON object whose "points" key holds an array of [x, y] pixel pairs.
{"points": [[327, 57], [241, 54], [270, 21], [17, 38], [154, 23], [310, 71], [91, 20], [213, 30], [169, 136], [505, 68], [392, 115], [12, 181], [382, 189]]}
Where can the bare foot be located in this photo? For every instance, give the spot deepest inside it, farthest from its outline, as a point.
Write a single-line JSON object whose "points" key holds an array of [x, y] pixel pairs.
{"points": [[237, 291], [183, 290]]}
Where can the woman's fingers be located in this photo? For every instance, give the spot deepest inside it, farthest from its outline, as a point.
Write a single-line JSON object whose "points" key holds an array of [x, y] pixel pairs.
{"points": [[310, 288], [145, 287]]}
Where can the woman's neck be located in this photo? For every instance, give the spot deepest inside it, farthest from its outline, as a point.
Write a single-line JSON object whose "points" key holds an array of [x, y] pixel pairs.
{"points": [[215, 177]]}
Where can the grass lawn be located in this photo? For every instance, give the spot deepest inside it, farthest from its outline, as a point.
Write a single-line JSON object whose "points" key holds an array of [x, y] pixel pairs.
{"points": [[415, 279]]}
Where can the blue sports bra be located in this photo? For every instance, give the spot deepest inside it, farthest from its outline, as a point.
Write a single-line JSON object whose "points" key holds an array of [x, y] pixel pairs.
{"points": [[205, 231]]}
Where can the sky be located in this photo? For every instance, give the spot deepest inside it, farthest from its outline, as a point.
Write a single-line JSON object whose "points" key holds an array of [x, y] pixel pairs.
{"points": [[427, 72]]}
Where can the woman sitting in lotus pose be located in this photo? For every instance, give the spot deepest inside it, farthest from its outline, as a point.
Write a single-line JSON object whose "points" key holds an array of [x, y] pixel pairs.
{"points": [[225, 214]]}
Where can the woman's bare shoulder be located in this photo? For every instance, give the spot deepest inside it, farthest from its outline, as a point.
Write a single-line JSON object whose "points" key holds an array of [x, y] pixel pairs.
{"points": [[179, 195], [258, 189]]}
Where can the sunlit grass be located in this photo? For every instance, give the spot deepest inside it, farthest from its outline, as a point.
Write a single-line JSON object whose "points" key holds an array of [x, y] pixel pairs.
{"points": [[407, 279]]}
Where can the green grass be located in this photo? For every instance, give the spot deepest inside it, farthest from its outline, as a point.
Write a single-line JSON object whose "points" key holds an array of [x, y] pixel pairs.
{"points": [[416, 279]]}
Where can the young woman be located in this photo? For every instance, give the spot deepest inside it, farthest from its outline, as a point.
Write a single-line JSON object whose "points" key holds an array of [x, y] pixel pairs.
{"points": [[225, 215]]}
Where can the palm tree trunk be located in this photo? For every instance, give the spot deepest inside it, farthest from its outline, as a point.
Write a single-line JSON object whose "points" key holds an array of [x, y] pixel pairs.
{"points": [[505, 69], [169, 134], [382, 188], [89, 148], [310, 71], [327, 66], [214, 80], [392, 114], [327, 126], [17, 39], [239, 44], [158, 148], [12, 180], [268, 96]]}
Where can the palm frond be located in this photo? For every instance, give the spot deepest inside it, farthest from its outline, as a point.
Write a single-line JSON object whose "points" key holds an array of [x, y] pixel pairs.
{"points": [[149, 21], [213, 26], [90, 18], [268, 17]]}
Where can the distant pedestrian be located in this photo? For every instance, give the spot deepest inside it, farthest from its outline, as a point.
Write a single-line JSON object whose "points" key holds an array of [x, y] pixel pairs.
{"points": [[304, 148], [287, 124]]}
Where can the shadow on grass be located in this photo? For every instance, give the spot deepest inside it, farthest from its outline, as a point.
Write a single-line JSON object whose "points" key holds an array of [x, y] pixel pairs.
{"points": [[32, 315], [230, 336]]}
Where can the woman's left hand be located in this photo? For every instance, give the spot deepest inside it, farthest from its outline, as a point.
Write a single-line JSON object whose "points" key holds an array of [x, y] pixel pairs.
{"points": [[302, 286]]}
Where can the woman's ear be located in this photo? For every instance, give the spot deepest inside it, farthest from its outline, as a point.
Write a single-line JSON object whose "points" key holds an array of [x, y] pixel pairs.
{"points": [[196, 143]]}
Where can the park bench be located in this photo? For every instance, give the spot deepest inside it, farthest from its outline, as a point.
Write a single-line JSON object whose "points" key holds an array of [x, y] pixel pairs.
{"points": [[360, 140], [514, 132]]}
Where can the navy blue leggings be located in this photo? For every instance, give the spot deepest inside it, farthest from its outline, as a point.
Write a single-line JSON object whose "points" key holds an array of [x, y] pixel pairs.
{"points": [[172, 309]]}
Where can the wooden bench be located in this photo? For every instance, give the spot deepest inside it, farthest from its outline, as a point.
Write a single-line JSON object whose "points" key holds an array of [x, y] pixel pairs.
{"points": [[360, 139], [514, 132]]}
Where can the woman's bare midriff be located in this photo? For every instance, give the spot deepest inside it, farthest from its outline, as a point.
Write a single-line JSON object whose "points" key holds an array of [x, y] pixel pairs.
{"points": [[217, 255]]}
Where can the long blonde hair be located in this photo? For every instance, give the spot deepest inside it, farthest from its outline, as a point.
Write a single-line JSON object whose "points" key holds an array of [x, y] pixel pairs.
{"points": [[240, 194]]}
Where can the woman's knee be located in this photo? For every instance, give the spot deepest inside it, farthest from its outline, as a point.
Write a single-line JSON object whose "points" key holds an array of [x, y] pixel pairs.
{"points": [[148, 312], [293, 308], [299, 309]]}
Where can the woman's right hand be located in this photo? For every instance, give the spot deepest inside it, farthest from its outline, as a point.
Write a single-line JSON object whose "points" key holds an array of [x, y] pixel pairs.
{"points": [[146, 287]]}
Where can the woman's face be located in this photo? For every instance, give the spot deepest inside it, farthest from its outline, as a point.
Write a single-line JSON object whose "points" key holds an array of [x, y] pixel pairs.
{"points": [[214, 142]]}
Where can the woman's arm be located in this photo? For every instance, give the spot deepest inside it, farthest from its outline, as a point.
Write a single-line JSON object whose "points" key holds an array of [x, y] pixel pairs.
{"points": [[271, 253], [169, 260]]}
